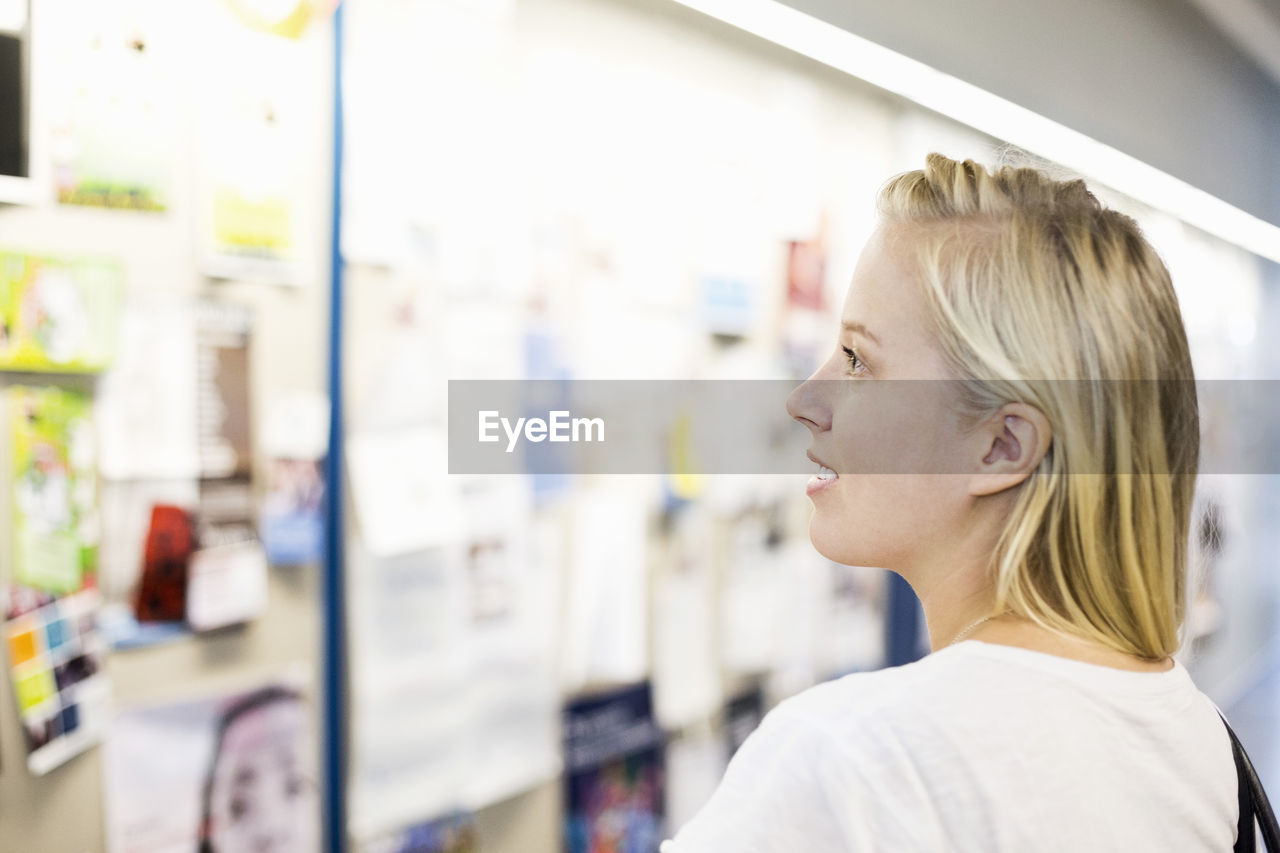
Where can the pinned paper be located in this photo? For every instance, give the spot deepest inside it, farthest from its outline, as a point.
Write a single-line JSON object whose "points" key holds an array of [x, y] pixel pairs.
{"points": [[403, 497], [226, 585]]}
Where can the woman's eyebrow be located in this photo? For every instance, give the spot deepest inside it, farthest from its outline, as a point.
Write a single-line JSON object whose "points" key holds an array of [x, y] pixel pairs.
{"points": [[860, 329]]}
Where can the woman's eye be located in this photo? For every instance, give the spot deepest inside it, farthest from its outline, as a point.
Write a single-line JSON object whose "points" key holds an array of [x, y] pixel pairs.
{"points": [[852, 357]]}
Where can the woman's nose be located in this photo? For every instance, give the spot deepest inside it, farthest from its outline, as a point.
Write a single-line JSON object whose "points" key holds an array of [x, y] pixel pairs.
{"points": [[807, 404]]}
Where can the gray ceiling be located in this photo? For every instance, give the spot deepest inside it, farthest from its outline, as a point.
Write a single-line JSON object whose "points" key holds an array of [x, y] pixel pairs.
{"points": [[1252, 25]]}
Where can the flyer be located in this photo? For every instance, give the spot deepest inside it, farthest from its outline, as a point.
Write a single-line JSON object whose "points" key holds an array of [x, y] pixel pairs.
{"points": [[52, 488], [55, 658], [58, 314], [226, 773], [614, 779], [258, 101], [227, 575], [113, 86]]}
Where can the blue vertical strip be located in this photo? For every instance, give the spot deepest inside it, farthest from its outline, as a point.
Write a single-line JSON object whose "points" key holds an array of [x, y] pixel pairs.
{"points": [[333, 620], [902, 627]]}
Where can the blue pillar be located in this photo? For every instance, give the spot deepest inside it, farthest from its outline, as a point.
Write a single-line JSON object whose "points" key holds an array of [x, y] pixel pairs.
{"points": [[903, 616], [333, 617]]}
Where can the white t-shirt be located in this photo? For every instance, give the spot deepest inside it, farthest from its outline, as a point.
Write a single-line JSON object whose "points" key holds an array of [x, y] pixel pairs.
{"points": [[979, 747]]}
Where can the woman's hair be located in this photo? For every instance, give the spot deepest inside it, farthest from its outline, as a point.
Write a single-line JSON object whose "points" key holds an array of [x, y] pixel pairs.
{"points": [[1029, 279]]}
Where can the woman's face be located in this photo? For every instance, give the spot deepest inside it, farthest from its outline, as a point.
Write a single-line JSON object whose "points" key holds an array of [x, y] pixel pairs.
{"points": [[263, 798], [888, 504]]}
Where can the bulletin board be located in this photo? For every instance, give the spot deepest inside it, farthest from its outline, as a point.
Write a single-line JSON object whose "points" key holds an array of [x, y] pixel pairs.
{"points": [[126, 210]]}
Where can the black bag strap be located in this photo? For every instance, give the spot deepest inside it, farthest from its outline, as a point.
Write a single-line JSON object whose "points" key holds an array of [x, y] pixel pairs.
{"points": [[1254, 805]]}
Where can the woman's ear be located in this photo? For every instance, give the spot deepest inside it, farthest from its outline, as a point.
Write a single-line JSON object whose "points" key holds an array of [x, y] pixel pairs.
{"points": [[1008, 446]]}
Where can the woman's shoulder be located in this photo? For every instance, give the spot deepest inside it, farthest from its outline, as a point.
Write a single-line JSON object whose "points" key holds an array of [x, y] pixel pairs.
{"points": [[869, 693], [982, 684]]}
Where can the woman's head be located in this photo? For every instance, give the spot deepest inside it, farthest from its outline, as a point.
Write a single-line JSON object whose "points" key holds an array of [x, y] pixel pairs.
{"points": [[260, 792], [1038, 309]]}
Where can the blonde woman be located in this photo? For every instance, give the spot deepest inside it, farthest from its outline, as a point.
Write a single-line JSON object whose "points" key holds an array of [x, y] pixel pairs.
{"points": [[1038, 507]]}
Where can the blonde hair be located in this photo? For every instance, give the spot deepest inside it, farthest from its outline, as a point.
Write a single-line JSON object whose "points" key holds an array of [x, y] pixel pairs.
{"points": [[1028, 278]]}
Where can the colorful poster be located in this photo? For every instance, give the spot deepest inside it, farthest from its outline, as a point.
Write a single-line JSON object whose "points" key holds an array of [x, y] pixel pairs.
{"points": [[291, 523], [58, 314], [55, 659], [614, 773], [236, 772], [807, 321], [52, 492]]}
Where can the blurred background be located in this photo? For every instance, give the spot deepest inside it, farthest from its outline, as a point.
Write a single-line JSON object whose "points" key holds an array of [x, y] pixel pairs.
{"points": [[244, 246]]}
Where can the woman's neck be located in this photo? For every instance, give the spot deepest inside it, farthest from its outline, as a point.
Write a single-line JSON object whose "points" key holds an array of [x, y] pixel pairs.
{"points": [[1010, 630]]}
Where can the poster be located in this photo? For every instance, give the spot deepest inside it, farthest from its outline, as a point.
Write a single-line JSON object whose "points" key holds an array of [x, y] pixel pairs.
{"points": [[454, 701], [223, 419], [114, 96], [758, 581], [155, 360], [614, 773], [292, 519], [229, 773], [404, 500], [686, 666], [55, 659], [226, 578], [58, 314], [511, 637], [605, 633], [296, 439], [53, 509], [258, 113], [409, 702], [807, 321]]}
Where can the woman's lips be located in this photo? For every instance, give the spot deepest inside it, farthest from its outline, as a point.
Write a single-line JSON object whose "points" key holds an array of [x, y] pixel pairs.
{"points": [[824, 479]]}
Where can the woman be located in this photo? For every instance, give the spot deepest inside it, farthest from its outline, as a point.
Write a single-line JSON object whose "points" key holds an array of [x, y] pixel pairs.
{"points": [[260, 794], [1040, 510]]}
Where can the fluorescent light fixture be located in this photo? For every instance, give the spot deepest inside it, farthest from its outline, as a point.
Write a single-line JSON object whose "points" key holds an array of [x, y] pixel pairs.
{"points": [[994, 116]]}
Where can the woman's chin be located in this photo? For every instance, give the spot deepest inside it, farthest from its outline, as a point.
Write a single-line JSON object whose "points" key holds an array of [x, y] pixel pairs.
{"points": [[830, 543]]}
